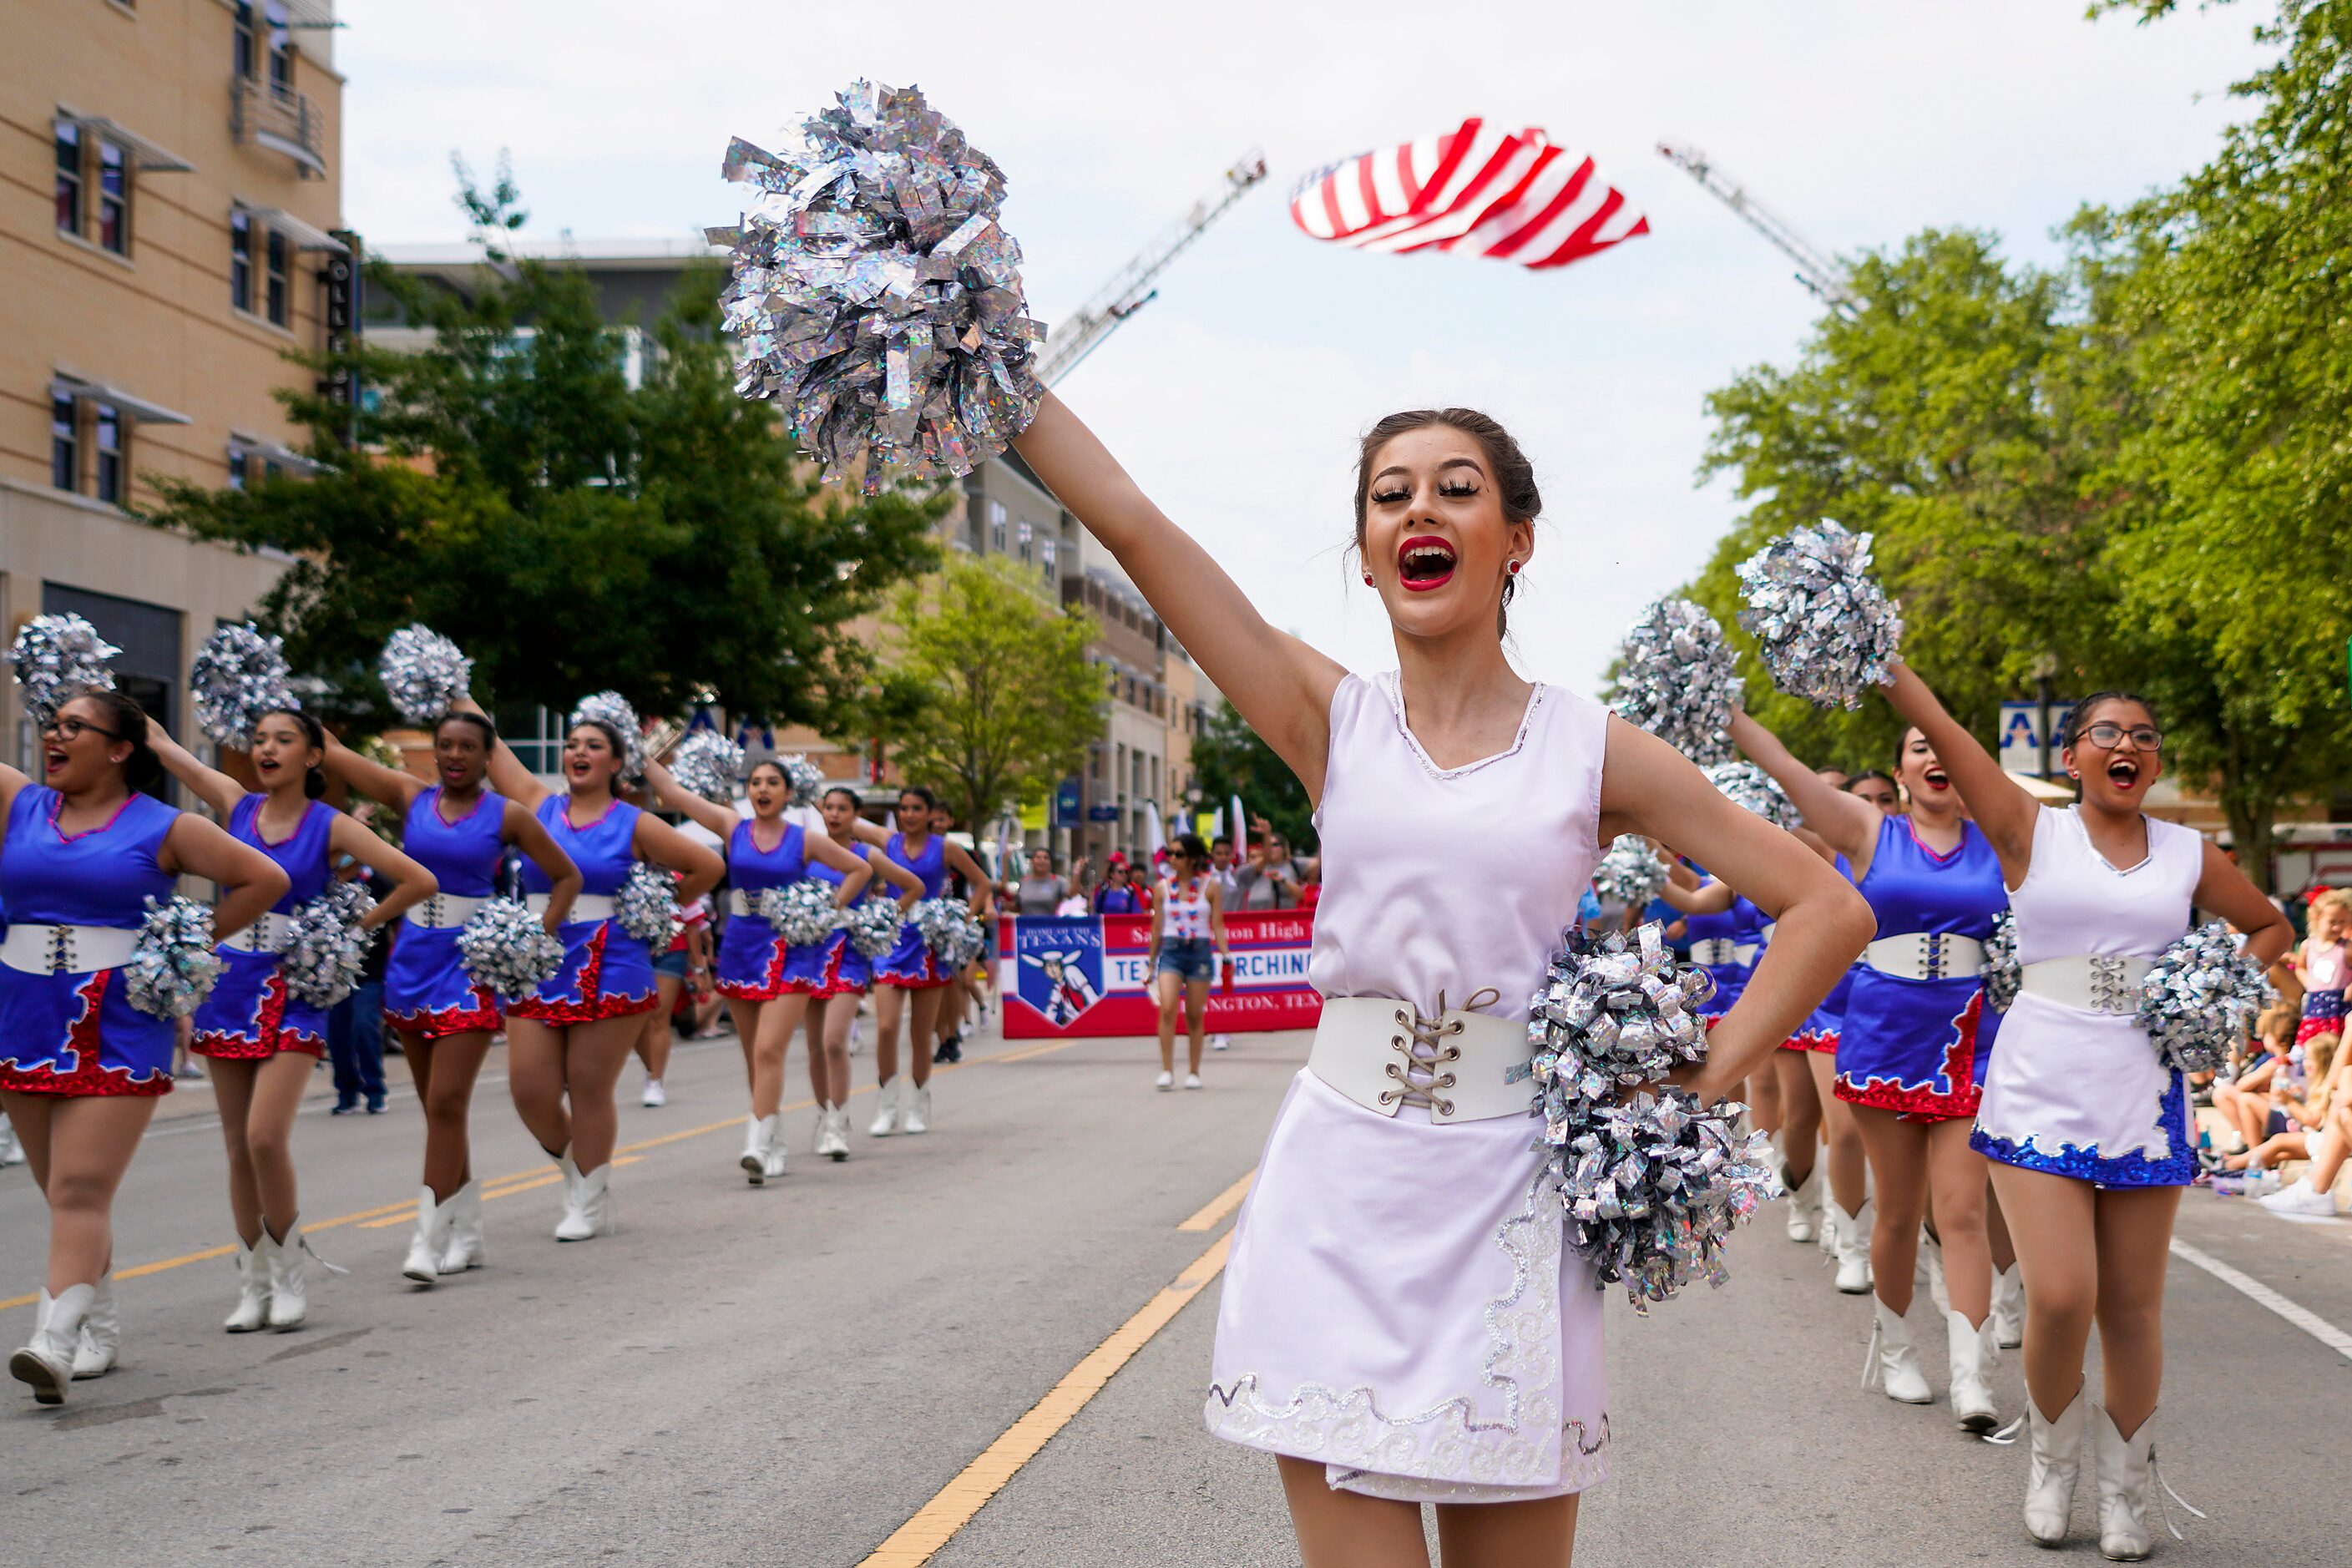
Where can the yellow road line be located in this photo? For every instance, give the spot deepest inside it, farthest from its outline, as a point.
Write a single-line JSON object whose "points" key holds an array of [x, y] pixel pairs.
{"points": [[1048, 1049], [1221, 1205], [916, 1541]]}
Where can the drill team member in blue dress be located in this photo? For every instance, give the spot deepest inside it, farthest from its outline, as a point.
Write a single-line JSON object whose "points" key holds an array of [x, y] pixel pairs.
{"points": [[754, 961], [567, 1044], [910, 978], [838, 970], [80, 1068], [263, 1040], [458, 830]]}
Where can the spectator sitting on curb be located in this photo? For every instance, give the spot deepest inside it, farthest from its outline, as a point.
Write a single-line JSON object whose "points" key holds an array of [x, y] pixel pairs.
{"points": [[2244, 1102], [2291, 1120]]}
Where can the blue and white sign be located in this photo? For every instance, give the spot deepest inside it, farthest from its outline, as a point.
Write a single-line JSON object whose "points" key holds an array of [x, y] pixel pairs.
{"points": [[1060, 964], [2021, 735]]}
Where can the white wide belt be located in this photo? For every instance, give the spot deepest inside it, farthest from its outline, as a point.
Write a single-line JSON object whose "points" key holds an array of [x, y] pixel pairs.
{"points": [[1723, 950], [1927, 955], [586, 907], [267, 934], [2094, 982], [739, 902], [1463, 1066], [443, 909], [66, 950]]}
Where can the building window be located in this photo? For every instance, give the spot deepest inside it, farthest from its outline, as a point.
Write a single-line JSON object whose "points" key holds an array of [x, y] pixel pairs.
{"points": [[1026, 535], [69, 179], [240, 258], [109, 454], [65, 442], [276, 248], [281, 48], [239, 461], [243, 55], [113, 197], [1048, 562], [996, 526]]}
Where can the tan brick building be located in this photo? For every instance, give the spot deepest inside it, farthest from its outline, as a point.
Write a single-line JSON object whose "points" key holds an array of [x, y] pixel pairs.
{"points": [[169, 180]]}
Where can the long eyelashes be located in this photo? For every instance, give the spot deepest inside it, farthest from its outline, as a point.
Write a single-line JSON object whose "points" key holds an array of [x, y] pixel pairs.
{"points": [[1451, 492]]}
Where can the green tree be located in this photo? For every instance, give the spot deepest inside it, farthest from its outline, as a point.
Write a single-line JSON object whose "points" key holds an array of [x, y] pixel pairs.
{"points": [[512, 490], [1229, 760], [983, 690]]}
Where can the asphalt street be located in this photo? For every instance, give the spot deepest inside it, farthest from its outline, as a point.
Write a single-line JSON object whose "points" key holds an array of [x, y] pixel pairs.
{"points": [[792, 1374]]}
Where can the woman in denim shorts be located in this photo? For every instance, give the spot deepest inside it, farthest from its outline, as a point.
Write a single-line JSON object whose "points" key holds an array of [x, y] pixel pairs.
{"points": [[1188, 941]]}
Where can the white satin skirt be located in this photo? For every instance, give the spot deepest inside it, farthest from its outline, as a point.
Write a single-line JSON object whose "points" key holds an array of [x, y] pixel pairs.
{"points": [[1398, 1305]]}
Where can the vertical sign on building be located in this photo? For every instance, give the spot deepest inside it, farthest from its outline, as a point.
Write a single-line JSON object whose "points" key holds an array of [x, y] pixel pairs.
{"points": [[341, 314]]}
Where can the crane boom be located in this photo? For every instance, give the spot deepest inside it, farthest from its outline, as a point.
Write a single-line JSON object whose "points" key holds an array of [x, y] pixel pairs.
{"points": [[1815, 271], [1083, 331]]}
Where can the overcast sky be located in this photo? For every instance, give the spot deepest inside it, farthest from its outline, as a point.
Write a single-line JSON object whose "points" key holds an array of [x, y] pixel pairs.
{"points": [[1237, 396]]}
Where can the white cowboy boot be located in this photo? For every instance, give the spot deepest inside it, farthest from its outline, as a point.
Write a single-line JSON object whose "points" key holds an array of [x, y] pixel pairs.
{"points": [[774, 1151], [2008, 1307], [589, 1212], [1892, 1360], [46, 1362], [252, 1308], [886, 1111], [12, 1151], [289, 1301], [463, 1248], [2126, 1466], [2056, 1449], [759, 1132], [838, 1133], [1973, 1356], [432, 1234], [572, 1182], [918, 1111], [101, 1333], [1852, 1248], [1804, 1203]]}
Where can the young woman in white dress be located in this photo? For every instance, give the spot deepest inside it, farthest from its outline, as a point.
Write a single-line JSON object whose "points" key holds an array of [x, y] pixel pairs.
{"points": [[2089, 1132], [1400, 1323]]}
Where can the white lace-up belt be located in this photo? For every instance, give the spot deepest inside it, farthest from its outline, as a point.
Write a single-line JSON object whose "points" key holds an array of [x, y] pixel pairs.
{"points": [[66, 950], [267, 934], [442, 910], [585, 908], [2094, 982], [739, 902], [1927, 955], [1723, 950], [1460, 1066]]}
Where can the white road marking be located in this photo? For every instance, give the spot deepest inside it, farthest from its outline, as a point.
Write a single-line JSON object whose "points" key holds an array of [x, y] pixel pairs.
{"points": [[2246, 1285]]}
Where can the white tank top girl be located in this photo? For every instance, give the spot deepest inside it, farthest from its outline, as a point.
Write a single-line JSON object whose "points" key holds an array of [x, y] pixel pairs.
{"points": [[1185, 907]]}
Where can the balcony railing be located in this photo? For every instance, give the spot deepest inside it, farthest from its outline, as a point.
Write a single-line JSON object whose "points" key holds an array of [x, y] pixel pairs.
{"points": [[263, 114]]}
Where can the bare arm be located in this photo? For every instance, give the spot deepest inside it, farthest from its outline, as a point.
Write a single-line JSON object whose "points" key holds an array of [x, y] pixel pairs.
{"points": [[411, 883], [1648, 787], [718, 819], [508, 775], [249, 882], [1281, 686], [665, 845], [866, 832], [982, 903], [1714, 899], [1217, 918], [11, 781], [385, 787], [528, 834], [211, 785], [1846, 822], [855, 870], [910, 886], [2003, 811], [1159, 928], [2223, 889]]}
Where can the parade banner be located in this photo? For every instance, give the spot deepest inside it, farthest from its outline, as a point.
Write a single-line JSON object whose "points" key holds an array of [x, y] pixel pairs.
{"points": [[1091, 974]]}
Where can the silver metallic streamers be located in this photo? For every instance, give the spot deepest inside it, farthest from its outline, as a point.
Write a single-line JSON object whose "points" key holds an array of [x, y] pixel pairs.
{"points": [[804, 778], [1678, 678], [880, 305], [1630, 872], [647, 906], [802, 912], [507, 951], [946, 928], [2003, 976], [56, 659], [173, 965], [326, 951], [612, 708], [1615, 1012], [2199, 998], [709, 764], [1825, 630], [1751, 788], [423, 673], [873, 925], [236, 676]]}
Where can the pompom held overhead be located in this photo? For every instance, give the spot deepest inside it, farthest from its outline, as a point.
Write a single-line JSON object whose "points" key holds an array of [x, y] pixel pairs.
{"points": [[55, 659], [236, 676], [424, 674], [1823, 626], [1678, 678]]}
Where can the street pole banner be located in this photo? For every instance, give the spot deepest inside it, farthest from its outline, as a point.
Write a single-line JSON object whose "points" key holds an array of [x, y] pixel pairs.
{"points": [[1091, 974]]}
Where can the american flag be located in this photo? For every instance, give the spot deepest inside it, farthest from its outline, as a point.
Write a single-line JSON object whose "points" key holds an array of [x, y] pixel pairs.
{"points": [[1511, 196]]}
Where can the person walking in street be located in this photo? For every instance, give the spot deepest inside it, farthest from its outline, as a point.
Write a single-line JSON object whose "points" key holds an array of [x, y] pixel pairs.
{"points": [[264, 1041], [355, 1024], [1119, 894], [836, 976], [1188, 944], [81, 854]]}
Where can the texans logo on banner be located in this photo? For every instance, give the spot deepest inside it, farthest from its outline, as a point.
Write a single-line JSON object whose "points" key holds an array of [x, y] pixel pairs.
{"points": [[1092, 975], [1061, 963]]}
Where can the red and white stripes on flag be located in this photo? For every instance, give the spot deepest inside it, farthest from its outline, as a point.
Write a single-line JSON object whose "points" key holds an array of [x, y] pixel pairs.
{"points": [[1512, 195]]}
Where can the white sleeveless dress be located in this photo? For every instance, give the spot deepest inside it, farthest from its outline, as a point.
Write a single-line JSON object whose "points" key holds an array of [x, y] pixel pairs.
{"points": [[1397, 1303], [2075, 1092]]}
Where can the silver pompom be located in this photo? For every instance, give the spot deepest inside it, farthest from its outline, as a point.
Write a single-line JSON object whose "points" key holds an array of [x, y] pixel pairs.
{"points": [[880, 306], [1825, 628], [612, 708], [873, 925], [709, 764], [236, 676], [507, 951], [56, 659], [1630, 872], [802, 777], [423, 673], [2199, 999], [1751, 788], [326, 951], [1616, 1011], [1678, 678], [173, 965], [803, 911], [946, 928], [2003, 976], [647, 906]]}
